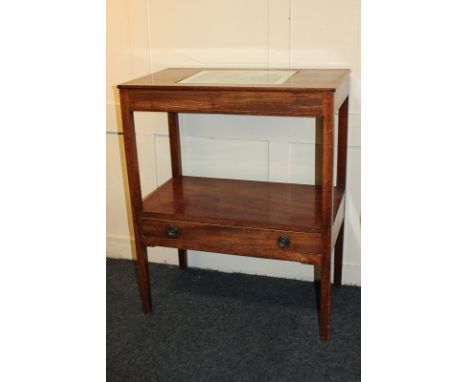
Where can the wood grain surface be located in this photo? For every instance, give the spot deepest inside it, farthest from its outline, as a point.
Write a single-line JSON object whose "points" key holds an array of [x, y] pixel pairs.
{"points": [[243, 203]]}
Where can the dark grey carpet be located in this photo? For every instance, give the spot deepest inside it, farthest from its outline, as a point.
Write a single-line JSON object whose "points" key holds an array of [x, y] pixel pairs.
{"points": [[212, 326]]}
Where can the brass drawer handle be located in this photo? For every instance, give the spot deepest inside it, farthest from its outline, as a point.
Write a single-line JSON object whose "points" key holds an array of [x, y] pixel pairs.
{"points": [[172, 231], [283, 241]]}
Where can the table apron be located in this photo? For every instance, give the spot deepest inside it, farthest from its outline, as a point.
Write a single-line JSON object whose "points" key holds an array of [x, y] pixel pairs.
{"points": [[283, 103]]}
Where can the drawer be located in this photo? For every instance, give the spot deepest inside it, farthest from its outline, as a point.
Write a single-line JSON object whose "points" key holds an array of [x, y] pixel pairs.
{"points": [[303, 247]]}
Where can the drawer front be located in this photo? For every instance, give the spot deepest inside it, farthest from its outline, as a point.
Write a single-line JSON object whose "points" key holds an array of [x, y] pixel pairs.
{"points": [[284, 245]]}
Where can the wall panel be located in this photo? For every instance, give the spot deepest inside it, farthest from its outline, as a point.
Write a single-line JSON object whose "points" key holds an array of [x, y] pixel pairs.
{"points": [[145, 35]]}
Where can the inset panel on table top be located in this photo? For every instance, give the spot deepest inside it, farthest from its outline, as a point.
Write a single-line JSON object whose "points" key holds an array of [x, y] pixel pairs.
{"points": [[280, 206], [239, 77], [313, 80]]}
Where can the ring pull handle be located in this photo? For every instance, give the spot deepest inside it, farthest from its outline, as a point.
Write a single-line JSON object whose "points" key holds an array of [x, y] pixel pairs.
{"points": [[172, 231], [283, 241]]}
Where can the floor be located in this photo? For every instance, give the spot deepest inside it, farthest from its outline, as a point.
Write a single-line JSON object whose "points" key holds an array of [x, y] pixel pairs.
{"points": [[213, 326]]}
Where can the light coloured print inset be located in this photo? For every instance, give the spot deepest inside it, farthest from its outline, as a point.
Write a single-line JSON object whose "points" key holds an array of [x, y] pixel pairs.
{"points": [[239, 77]]}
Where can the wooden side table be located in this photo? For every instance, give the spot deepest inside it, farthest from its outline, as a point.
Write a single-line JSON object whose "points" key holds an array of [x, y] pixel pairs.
{"points": [[271, 220]]}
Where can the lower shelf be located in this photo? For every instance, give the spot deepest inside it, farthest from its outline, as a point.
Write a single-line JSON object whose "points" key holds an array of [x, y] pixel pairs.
{"points": [[260, 219], [243, 203]]}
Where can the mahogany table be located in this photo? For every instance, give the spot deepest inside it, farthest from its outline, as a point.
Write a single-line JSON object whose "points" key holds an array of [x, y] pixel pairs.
{"points": [[293, 222]]}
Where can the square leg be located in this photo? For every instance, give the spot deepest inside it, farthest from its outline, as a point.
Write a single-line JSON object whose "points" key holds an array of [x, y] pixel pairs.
{"points": [[182, 258], [338, 258], [143, 277]]}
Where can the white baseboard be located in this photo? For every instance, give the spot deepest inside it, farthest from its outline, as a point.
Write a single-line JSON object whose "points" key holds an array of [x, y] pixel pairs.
{"points": [[120, 247]]}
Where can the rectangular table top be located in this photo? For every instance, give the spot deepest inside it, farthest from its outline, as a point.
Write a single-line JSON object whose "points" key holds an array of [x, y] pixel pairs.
{"points": [[310, 80]]}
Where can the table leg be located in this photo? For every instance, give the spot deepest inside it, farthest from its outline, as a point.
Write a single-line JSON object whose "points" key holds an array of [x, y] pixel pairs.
{"points": [[327, 213], [131, 157], [338, 257], [341, 183], [182, 258], [325, 300], [143, 277], [176, 164]]}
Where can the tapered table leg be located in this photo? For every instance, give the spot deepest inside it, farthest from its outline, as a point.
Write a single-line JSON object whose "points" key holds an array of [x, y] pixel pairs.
{"points": [[131, 158], [327, 213], [338, 258], [176, 164], [182, 258], [325, 302], [143, 277], [341, 183]]}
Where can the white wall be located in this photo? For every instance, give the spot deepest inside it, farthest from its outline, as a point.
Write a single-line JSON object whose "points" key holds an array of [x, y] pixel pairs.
{"points": [[145, 36]]}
